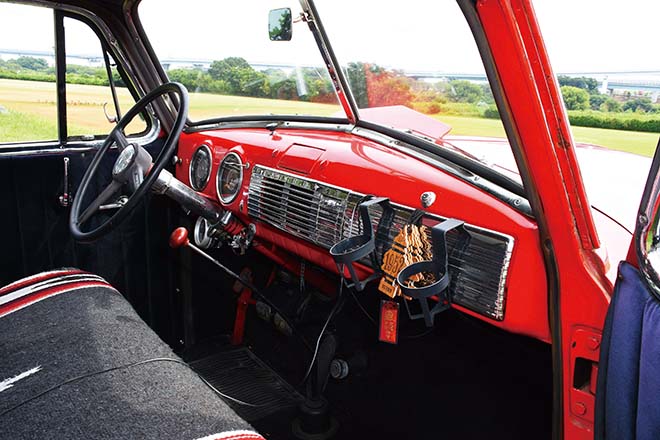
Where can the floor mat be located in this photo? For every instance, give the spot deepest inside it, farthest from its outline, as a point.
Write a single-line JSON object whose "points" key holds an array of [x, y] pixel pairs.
{"points": [[243, 376]]}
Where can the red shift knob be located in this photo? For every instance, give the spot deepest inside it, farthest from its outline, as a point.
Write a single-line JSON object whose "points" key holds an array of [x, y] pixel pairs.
{"points": [[179, 238]]}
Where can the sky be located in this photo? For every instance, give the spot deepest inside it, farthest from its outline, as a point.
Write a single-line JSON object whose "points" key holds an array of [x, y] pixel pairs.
{"points": [[581, 35]]}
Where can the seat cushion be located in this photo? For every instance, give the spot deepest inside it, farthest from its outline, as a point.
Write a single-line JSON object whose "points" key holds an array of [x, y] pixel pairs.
{"points": [[76, 361]]}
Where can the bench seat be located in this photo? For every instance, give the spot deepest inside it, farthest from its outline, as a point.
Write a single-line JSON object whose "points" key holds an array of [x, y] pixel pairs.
{"points": [[76, 361]]}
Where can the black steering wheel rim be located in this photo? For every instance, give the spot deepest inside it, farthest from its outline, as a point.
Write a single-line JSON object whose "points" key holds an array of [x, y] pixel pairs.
{"points": [[161, 161]]}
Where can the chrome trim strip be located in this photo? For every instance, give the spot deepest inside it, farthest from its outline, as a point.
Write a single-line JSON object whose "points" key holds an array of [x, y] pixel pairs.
{"points": [[261, 121], [52, 151], [297, 176], [38, 149]]}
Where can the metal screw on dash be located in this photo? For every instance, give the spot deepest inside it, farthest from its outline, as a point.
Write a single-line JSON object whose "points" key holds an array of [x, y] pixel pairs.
{"points": [[427, 199]]}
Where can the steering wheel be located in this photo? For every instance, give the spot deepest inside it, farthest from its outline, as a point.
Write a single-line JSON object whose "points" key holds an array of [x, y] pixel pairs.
{"points": [[134, 168]]}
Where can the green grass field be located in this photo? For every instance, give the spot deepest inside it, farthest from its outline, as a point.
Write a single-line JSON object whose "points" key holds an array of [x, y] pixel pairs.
{"points": [[630, 141], [32, 115]]}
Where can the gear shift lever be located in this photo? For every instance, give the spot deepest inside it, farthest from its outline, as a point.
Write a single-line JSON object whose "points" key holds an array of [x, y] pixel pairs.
{"points": [[179, 238]]}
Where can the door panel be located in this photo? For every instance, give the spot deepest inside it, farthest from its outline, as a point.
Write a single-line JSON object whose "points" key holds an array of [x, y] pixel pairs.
{"points": [[135, 258]]}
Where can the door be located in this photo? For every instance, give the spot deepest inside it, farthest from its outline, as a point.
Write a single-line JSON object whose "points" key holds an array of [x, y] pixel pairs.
{"points": [[56, 108], [627, 398]]}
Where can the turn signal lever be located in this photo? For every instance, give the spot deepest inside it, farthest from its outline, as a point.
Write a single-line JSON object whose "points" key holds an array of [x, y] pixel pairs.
{"points": [[190, 200], [179, 238]]}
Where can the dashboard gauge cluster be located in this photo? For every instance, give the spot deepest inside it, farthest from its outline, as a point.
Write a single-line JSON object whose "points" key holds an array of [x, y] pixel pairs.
{"points": [[200, 167], [229, 178]]}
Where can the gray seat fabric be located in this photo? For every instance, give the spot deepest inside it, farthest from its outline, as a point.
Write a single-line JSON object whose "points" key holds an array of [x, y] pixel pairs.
{"points": [[77, 362]]}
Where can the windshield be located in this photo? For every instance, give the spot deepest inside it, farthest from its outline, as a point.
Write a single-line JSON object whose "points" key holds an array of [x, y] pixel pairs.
{"points": [[419, 56], [413, 71], [222, 53]]}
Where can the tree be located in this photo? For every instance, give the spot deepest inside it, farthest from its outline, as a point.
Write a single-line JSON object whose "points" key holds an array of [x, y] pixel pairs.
{"points": [[187, 77], [285, 89], [275, 75], [253, 83], [319, 89], [358, 81], [375, 86], [466, 91], [31, 63], [488, 94], [239, 77], [223, 68], [597, 100], [640, 105], [575, 98], [582, 82], [386, 87], [610, 105]]}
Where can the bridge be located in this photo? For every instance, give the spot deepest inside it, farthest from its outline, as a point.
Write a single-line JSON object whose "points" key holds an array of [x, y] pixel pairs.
{"points": [[641, 80], [636, 80], [50, 56]]}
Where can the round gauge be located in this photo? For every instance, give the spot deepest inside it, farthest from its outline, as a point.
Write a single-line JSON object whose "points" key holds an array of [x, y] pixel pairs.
{"points": [[230, 177], [200, 168]]}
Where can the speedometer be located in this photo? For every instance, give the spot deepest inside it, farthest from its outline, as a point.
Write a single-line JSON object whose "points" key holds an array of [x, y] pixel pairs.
{"points": [[200, 168], [229, 178]]}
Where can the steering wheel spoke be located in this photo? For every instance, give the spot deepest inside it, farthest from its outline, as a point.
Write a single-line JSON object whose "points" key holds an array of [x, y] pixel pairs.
{"points": [[120, 139], [102, 198]]}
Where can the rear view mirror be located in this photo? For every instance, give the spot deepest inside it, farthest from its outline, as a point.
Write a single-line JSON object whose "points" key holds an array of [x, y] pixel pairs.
{"points": [[279, 24]]}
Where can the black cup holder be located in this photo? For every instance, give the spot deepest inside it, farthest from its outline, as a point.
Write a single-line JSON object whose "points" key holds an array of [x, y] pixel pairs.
{"points": [[438, 267], [352, 249]]}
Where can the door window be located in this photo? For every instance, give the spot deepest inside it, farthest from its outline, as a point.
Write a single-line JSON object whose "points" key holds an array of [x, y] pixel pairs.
{"points": [[28, 80], [28, 99], [90, 105]]}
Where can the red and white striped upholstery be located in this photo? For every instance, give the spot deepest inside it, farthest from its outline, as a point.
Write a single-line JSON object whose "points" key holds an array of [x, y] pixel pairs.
{"points": [[234, 435], [84, 365], [33, 289]]}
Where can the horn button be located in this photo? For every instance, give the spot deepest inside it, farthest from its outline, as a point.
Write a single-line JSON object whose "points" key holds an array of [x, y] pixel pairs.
{"points": [[124, 161]]}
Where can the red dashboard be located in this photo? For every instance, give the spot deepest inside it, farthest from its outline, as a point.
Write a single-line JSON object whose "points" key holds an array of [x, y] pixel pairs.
{"points": [[348, 164]]}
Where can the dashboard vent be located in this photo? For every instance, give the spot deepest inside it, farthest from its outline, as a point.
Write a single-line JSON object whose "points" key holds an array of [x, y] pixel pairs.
{"points": [[325, 214], [298, 206]]}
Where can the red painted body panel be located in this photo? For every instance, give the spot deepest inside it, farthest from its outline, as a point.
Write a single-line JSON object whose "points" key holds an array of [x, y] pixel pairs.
{"points": [[614, 206], [362, 165], [549, 156]]}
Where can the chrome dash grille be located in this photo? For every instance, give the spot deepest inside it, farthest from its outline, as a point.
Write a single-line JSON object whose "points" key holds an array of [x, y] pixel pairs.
{"points": [[298, 206], [324, 215]]}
